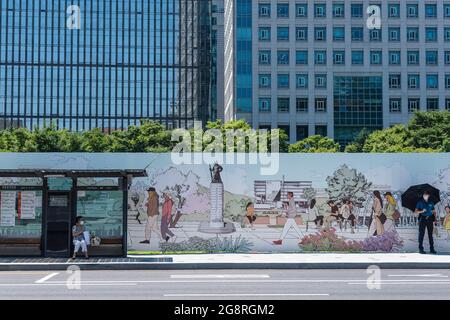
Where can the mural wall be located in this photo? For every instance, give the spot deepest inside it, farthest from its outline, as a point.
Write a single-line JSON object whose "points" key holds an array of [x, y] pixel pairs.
{"points": [[316, 202]]}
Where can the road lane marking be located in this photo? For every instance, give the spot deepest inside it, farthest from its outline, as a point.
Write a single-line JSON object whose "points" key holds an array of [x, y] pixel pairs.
{"points": [[419, 275], [47, 277], [219, 276], [246, 295]]}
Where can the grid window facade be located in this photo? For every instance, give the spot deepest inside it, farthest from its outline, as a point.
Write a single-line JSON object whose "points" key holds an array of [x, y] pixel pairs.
{"points": [[130, 60]]}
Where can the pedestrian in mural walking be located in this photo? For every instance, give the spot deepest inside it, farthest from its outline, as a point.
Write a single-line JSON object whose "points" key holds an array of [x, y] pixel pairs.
{"points": [[447, 221], [291, 214], [152, 215], [390, 210], [378, 218], [426, 212], [167, 207]]}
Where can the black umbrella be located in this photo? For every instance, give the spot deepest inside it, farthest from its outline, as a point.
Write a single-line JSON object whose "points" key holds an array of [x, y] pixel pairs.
{"points": [[414, 193]]}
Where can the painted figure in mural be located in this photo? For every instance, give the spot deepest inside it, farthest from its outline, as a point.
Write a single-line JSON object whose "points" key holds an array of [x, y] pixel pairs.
{"points": [[152, 215], [215, 173], [334, 216], [79, 240], [291, 214], [180, 204], [166, 234], [426, 211], [250, 214], [390, 209], [447, 221], [378, 218], [348, 214], [314, 215]]}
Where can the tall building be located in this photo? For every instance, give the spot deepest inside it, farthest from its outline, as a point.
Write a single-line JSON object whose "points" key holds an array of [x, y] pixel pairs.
{"points": [[217, 60], [109, 64], [327, 67]]}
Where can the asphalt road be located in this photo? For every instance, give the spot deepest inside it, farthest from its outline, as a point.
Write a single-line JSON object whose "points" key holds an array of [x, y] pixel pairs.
{"points": [[228, 285]]}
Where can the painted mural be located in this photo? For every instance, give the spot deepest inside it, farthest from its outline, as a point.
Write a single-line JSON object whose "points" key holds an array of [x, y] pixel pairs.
{"points": [[315, 203]]}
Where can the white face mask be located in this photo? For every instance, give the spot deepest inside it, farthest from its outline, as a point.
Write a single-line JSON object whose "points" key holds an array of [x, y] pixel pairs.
{"points": [[426, 198], [81, 223]]}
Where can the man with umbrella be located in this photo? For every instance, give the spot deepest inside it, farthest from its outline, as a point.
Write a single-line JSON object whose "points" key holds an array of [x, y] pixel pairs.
{"points": [[424, 207], [427, 217]]}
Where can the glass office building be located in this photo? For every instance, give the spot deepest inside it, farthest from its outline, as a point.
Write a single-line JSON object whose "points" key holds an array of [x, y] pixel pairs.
{"points": [[129, 60], [358, 105]]}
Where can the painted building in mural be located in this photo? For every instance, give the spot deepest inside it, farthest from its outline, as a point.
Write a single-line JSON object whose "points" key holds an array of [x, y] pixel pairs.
{"points": [[252, 206]]}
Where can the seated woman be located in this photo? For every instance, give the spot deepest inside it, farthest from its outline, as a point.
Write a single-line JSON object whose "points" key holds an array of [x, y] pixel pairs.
{"points": [[78, 238]]}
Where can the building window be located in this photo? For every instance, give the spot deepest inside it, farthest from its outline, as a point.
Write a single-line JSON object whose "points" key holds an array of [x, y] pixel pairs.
{"points": [[447, 57], [394, 34], [301, 105], [447, 81], [321, 130], [283, 10], [264, 33], [394, 10], [320, 81], [320, 57], [432, 104], [357, 57], [320, 105], [264, 10], [320, 33], [338, 10], [356, 10], [395, 81], [413, 81], [394, 57], [412, 10], [375, 35], [431, 34], [447, 104], [432, 81], [302, 81], [320, 10], [431, 57], [413, 57], [395, 105], [447, 34], [413, 105], [283, 81], [286, 129], [446, 10], [301, 57], [264, 57], [339, 57], [264, 105], [338, 34], [283, 105], [265, 81], [301, 33], [430, 10], [357, 34], [302, 132], [283, 57], [283, 33], [412, 34], [376, 57], [301, 10]]}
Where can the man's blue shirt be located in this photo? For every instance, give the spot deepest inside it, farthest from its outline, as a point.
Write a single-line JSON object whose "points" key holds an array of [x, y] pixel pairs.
{"points": [[425, 205]]}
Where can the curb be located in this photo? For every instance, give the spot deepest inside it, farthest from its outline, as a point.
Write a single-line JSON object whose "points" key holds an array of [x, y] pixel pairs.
{"points": [[168, 265]]}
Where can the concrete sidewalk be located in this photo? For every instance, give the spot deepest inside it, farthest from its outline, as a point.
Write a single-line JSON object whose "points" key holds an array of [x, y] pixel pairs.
{"points": [[236, 261]]}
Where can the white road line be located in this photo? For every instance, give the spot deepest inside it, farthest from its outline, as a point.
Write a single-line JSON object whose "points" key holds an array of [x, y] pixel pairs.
{"points": [[219, 276], [47, 277], [419, 275], [247, 295]]}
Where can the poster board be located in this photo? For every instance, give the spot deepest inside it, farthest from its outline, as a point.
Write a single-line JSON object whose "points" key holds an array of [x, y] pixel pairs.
{"points": [[28, 205], [7, 208]]}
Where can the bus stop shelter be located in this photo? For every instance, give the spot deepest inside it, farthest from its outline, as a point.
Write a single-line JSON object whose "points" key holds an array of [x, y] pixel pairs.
{"points": [[39, 207]]}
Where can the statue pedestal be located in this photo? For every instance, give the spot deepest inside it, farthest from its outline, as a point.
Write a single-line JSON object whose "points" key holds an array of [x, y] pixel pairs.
{"points": [[216, 223]]}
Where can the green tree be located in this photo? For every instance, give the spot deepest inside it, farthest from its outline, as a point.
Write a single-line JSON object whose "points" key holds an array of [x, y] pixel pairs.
{"points": [[315, 144], [47, 139], [95, 141], [430, 130], [358, 144]]}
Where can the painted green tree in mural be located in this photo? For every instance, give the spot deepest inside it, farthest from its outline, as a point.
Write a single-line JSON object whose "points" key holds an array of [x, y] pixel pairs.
{"points": [[347, 183]]}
